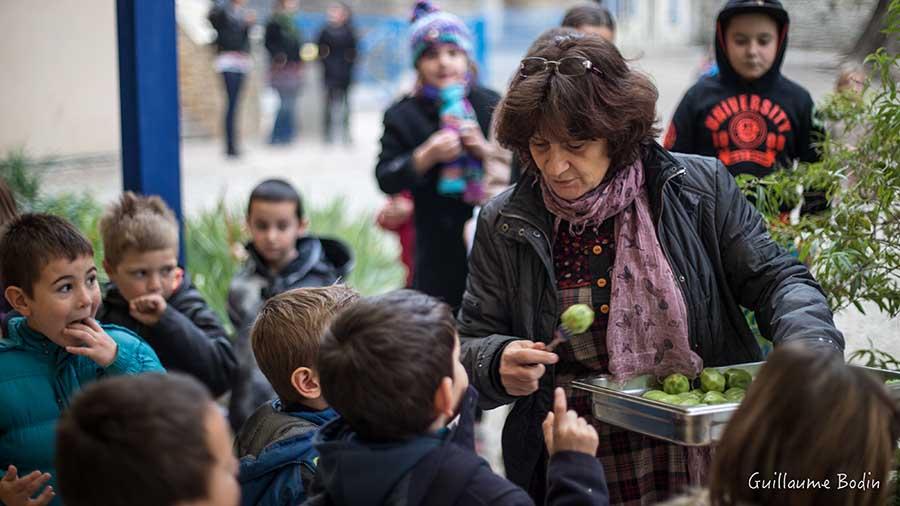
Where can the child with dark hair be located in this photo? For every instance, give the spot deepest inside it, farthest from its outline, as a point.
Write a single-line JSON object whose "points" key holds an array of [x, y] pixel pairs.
{"points": [[152, 296], [51, 345], [275, 444], [281, 256], [434, 145], [390, 366], [591, 19], [170, 448], [749, 115]]}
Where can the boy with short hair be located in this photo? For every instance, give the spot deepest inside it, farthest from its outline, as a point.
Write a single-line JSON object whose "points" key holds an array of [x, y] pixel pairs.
{"points": [[275, 443], [51, 345], [390, 366], [281, 257], [171, 448], [750, 116], [151, 295]]}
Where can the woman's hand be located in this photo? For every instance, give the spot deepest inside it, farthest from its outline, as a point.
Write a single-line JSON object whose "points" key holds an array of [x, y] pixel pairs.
{"points": [[443, 146], [473, 140], [566, 431], [522, 365]]}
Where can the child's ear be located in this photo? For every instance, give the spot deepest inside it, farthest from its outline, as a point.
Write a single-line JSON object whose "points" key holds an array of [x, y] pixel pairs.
{"points": [[178, 278], [306, 382], [18, 300], [108, 267], [303, 227], [443, 399]]}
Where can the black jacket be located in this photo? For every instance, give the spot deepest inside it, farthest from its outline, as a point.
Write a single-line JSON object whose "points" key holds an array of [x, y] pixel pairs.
{"points": [[232, 31], [440, 255], [189, 337], [337, 50], [753, 127], [283, 42], [319, 262], [438, 470], [720, 252]]}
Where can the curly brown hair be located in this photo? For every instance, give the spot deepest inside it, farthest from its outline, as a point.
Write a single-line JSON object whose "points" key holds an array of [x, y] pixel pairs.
{"points": [[618, 104]]}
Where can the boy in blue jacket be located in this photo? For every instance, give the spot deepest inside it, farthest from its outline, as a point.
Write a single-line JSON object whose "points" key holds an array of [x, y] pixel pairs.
{"points": [[51, 345], [277, 460], [390, 366]]}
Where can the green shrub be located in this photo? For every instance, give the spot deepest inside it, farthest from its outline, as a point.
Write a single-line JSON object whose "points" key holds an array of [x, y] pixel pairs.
{"points": [[853, 249], [214, 237]]}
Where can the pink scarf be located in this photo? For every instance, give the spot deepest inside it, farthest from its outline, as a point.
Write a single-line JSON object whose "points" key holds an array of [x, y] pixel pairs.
{"points": [[647, 332]]}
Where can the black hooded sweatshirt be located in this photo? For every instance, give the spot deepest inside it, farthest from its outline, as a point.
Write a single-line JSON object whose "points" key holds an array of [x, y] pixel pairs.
{"points": [[438, 470], [753, 127]]}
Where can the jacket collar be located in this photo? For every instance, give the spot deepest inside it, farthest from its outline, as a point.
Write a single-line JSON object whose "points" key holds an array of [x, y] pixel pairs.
{"points": [[660, 168], [17, 335], [309, 252], [527, 203]]}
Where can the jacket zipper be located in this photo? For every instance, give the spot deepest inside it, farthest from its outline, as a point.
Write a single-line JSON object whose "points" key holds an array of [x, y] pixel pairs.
{"points": [[550, 274], [678, 283]]}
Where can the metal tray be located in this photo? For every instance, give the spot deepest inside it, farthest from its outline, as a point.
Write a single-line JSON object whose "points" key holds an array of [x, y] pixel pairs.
{"points": [[621, 404]]}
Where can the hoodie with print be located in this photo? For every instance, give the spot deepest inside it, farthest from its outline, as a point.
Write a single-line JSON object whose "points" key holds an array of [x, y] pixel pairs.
{"points": [[753, 127]]}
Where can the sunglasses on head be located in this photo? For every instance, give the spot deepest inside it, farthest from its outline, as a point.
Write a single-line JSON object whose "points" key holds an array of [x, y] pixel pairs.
{"points": [[568, 66]]}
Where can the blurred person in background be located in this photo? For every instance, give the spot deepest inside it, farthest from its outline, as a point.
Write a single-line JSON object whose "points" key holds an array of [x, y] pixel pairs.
{"points": [[232, 22], [337, 51], [283, 41]]}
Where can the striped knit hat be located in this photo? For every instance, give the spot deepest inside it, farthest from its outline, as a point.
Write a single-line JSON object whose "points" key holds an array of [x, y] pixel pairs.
{"points": [[431, 25]]}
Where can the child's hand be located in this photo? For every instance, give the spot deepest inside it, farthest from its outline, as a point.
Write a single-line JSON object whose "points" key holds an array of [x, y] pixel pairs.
{"points": [[566, 431], [15, 491], [473, 140], [95, 342], [443, 146], [397, 211], [147, 309]]}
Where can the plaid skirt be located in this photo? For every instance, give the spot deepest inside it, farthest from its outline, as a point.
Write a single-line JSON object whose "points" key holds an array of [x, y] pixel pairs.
{"points": [[639, 469]]}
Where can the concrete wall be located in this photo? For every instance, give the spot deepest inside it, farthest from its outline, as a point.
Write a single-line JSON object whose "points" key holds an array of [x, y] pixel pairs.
{"points": [[829, 25], [655, 23], [59, 89]]}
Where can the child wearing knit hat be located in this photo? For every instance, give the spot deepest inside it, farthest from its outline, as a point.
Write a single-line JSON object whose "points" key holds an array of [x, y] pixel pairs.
{"points": [[434, 145]]}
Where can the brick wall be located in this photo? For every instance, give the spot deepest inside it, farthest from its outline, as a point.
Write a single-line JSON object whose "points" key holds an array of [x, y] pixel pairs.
{"points": [[202, 93]]}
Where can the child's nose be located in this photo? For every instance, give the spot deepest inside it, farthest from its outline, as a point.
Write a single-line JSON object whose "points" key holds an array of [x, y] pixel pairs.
{"points": [[85, 297]]}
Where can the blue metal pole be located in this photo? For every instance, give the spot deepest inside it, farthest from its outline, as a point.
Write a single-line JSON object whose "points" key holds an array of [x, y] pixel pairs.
{"points": [[148, 94]]}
